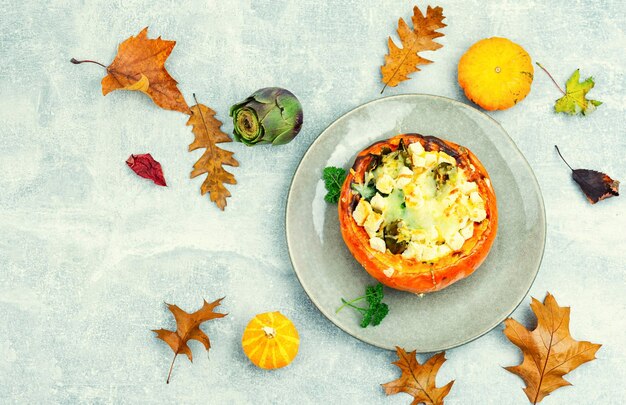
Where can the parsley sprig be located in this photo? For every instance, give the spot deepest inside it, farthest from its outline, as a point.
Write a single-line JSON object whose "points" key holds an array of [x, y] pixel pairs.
{"points": [[376, 310], [333, 180]]}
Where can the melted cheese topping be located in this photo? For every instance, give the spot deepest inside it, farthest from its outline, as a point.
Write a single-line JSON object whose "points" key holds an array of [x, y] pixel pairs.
{"points": [[424, 207]]}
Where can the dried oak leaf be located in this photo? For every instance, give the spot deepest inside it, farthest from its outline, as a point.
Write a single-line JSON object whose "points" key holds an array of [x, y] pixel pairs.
{"points": [[207, 130], [549, 350], [145, 166], [419, 380], [139, 65], [596, 185], [400, 62], [188, 328]]}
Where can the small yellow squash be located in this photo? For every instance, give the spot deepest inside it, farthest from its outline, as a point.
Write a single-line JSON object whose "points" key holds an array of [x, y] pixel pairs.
{"points": [[495, 73], [270, 340]]}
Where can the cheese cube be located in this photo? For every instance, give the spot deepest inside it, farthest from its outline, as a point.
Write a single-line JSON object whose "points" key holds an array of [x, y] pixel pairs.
{"points": [[429, 253], [468, 231], [361, 212], [378, 203], [418, 161], [478, 214], [430, 159], [377, 243], [413, 251], [416, 149], [455, 241], [443, 250], [432, 233], [468, 187], [475, 198], [404, 177], [372, 223], [384, 184]]}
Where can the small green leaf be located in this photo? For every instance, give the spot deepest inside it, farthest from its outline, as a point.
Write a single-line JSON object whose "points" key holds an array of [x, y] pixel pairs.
{"points": [[333, 180], [574, 101]]}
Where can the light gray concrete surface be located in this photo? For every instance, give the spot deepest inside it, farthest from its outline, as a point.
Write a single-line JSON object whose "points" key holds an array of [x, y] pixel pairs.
{"points": [[89, 252]]}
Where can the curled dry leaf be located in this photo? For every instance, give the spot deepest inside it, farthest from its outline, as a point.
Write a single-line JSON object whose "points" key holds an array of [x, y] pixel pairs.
{"points": [[596, 186], [400, 62], [207, 130], [419, 380], [145, 166], [549, 350], [188, 328], [140, 66]]}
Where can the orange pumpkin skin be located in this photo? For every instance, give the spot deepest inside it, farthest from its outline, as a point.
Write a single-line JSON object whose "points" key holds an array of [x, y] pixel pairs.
{"points": [[413, 275]]}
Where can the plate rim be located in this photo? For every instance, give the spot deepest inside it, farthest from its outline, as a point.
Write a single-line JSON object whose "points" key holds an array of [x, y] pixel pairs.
{"points": [[535, 182]]}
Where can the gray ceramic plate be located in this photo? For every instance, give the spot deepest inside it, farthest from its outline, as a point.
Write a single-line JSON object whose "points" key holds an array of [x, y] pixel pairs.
{"points": [[468, 308]]}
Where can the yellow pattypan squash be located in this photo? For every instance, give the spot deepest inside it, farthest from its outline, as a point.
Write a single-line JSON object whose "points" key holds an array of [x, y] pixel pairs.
{"points": [[270, 340], [495, 73]]}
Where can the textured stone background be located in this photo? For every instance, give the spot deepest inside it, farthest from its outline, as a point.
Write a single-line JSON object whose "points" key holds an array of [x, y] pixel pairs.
{"points": [[89, 252]]}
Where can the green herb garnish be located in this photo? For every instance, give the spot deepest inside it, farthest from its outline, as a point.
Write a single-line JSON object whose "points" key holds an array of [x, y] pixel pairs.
{"points": [[367, 191], [376, 310], [333, 179]]}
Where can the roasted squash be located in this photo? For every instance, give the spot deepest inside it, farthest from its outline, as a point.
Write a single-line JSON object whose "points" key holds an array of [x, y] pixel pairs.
{"points": [[436, 188]]}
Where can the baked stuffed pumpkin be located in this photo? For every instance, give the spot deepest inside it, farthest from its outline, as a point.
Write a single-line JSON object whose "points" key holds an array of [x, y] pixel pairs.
{"points": [[417, 212]]}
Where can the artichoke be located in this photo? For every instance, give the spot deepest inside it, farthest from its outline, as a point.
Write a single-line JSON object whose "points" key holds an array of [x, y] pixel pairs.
{"points": [[270, 115]]}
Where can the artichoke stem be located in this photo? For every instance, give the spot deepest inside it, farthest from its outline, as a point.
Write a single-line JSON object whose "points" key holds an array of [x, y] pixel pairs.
{"points": [[247, 124]]}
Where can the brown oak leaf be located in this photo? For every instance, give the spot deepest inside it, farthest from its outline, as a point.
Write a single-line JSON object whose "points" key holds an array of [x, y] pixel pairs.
{"points": [[549, 350], [596, 185], [207, 130], [419, 380], [188, 328], [400, 62], [140, 66]]}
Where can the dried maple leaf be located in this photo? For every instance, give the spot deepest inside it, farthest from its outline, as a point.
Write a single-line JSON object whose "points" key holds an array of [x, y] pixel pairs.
{"points": [[596, 186], [140, 66], [549, 350], [207, 130], [400, 62], [145, 166], [188, 328], [419, 380]]}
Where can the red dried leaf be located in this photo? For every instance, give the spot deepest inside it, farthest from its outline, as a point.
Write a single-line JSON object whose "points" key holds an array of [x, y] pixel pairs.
{"points": [[596, 185], [145, 166]]}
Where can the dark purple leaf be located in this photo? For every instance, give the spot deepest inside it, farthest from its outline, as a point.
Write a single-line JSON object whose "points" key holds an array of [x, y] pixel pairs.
{"points": [[596, 185]]}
